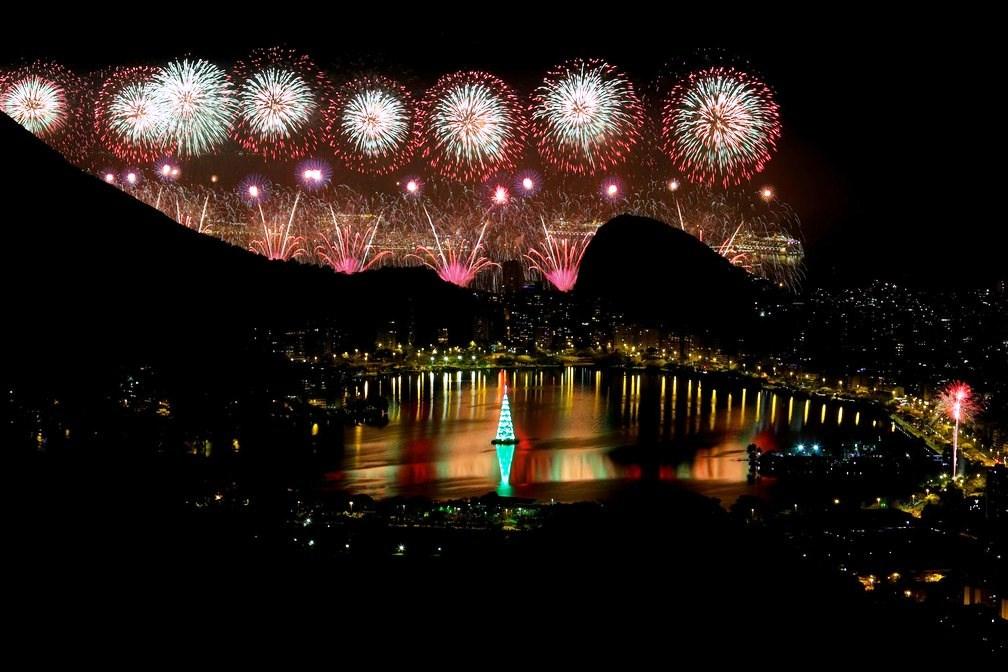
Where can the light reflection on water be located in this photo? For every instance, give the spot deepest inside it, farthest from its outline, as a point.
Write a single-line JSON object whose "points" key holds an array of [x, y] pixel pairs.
{"points": [[581, 432]]}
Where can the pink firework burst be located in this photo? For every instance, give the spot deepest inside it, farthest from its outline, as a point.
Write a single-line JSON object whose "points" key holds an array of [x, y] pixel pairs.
{"points": [[254, 190], [957, 403], [450, 259], [277, 241], [558, 259], [348, 251], [411, 186], [313, 174], [527, 183]]}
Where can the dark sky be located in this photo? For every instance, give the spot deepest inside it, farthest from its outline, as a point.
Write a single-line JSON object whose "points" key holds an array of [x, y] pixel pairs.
{"points": [[886, 128]]}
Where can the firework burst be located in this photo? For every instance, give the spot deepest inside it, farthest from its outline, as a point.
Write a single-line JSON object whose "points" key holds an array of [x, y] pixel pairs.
{"points": [[167, 169], [313, 174], [278, 241], [472, 126], [498, 190], [527, 183], [450, 259], [558, 259], [956, 402], [254, 190], [128, 119], [130, 178], [347, 251], [612, 189], [199, 105], [280, 98], [49, 100], [371, 124], [586, 117], [411, 186], [720, 126]]}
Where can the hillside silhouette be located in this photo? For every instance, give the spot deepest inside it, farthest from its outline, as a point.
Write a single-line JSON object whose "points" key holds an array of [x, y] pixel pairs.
{"points": [[655, 273], [95, 277]]}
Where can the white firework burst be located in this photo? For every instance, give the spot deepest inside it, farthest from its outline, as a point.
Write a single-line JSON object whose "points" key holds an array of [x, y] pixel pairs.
{"points": [[276, 103], [199, 105], [37, 104]]}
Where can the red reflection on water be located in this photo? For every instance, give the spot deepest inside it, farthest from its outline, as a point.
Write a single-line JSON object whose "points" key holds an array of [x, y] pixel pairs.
{"points": [[766, 440], [567, 423]]}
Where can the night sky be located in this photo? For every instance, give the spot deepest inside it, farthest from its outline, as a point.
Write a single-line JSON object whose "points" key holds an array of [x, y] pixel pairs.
{"points": [[885, 147]]}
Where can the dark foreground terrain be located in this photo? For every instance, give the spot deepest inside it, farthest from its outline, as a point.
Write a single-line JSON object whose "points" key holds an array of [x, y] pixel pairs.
{"points": [[655, 572]]}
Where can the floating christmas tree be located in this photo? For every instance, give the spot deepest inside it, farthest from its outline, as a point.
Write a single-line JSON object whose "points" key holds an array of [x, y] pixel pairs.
{"points": [[505, 430]]}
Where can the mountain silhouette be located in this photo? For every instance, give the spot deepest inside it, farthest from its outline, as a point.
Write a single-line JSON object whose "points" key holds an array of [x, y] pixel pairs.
{"points": [[93, 276], [656, 274]]}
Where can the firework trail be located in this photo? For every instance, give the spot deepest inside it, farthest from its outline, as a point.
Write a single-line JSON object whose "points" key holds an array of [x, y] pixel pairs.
{"points": [[199, 105], [586, 117], [727, 249], [956, 402], [280, 98], [128, 119], [720, 126], [472, 126], [558, 260], [371, 124], [348, 252], [200, 224], [752, 231], [449, 259], [277, 243]]}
